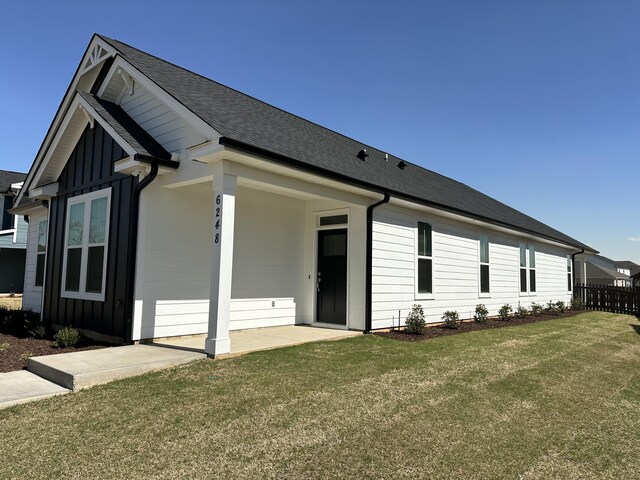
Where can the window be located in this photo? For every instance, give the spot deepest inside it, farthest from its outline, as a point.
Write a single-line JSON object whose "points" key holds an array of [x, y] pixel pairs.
{"points": [[527, 263], [6, 219], [334, 220], [484, 264], [523, 268], [569, 273], [40, 252], [85, 253], [425, 259], [532, 268]]}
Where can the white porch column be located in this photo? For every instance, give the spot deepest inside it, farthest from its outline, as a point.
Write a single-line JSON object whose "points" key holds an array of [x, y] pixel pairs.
{"points": [[224, 195]]}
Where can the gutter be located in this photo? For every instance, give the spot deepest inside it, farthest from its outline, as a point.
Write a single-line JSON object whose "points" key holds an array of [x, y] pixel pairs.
{"points": [[132, 252], [369, 268], [573, 269], [291, 162]]}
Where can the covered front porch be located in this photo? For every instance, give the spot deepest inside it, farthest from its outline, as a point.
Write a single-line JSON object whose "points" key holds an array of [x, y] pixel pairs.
{"points": [[234, 246], [255, 339]]}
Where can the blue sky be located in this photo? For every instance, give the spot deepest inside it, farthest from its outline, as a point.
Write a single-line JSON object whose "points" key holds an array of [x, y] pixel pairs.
{"points": [[536, 103]]}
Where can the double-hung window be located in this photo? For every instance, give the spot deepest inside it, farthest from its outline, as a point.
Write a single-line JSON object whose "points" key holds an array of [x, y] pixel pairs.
{"points": [[527, 269], [85, 247], [569, 274], [425, 260], [484, 265], [41, 250]]}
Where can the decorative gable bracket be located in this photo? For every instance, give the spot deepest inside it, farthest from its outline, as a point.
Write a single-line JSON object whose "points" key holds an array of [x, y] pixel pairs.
{"points": [[96, 56], [128, 85]]}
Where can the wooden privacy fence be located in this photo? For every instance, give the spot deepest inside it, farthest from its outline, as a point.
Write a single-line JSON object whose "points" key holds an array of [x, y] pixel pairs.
{"points": [[608, 298]]}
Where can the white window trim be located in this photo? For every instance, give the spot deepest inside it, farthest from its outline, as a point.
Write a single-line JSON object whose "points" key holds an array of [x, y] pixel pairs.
{"points": [[482, 294], [422, 295], [527, 267], [46, 241], [569, 272], [86, 198]]}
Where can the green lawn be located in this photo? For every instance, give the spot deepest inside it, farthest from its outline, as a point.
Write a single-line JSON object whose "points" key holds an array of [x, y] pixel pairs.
{"points": [[554, 399]]}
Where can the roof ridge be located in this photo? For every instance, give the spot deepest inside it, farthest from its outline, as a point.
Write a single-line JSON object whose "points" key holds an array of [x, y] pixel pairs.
{"points": [[12, 171], [309, 121], [262, 101]]}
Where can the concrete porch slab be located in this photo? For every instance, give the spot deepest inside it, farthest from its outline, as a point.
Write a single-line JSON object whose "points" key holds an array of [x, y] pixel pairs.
{"points": [[22, 387], [79, 370], [245, 341]]}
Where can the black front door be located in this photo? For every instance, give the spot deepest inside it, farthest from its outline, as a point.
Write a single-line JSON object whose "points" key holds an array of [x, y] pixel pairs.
{"points": [[331, 281]]}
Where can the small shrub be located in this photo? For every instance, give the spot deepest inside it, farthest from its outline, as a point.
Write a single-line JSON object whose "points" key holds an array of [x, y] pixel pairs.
{"points": [[561, 307], [67, 337], [550, 308], [26, 355], [481, 313], [536, 309], [450, 319], [505, 312], [521, 312], [4, 346], [415, 321], [576, 303], [39, 331], [18, 323]]}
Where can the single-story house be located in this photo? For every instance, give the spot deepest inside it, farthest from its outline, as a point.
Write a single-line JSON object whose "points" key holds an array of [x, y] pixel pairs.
{"points": [[600, 270], [175, 205], [13, 234]]}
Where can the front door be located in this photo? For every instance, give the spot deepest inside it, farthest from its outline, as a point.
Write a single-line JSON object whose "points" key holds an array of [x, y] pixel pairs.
{"points": [[331, 281]]}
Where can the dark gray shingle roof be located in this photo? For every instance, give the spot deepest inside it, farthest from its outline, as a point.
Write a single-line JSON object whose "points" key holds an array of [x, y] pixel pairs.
{"points": [[126, 127], [7, 178], [252, 122]]}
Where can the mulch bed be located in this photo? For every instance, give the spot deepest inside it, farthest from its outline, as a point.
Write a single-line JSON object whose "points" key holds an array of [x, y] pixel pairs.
{"points": [[14, 355], [440, 331]]}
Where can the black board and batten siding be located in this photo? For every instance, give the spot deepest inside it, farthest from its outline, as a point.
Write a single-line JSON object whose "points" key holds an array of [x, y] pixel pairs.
{"points": [[90, 168]]}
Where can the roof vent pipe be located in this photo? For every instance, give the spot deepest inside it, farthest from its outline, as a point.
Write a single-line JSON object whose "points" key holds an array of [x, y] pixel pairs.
{"points": [[402, 164], [362, 155]]}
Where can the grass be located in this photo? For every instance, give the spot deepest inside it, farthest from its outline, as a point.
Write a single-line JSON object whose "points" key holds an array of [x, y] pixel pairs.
{"points": [[554, 399], [13, 303]]}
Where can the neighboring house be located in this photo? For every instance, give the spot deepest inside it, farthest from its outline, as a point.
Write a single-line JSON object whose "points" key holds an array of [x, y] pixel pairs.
{"points": [[601, 270], [635, 276], [13, 235], [178, 206]]}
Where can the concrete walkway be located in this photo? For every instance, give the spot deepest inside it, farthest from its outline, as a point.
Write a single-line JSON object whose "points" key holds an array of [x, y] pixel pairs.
{"points": [[22, 386], [92, 367], [245, 341], [51, 375]]}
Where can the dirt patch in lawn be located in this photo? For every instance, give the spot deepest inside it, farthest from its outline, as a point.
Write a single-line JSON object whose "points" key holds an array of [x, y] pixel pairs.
{"points": [[471, 326], [15, 351]]}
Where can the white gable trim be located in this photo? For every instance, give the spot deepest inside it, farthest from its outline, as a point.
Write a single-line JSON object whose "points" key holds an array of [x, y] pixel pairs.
{"points": [[80, 79], [120, 65], [73, 124]]}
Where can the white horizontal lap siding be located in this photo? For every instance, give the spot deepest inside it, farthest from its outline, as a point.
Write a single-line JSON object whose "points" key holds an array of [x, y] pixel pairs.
{"points": [[32, 296], [455, 268], [162, 123], [268, 260], [174, 278]]}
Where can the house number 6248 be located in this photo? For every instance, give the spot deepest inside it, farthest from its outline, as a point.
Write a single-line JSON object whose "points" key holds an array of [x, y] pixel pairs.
{"points": [[216, 237]]}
